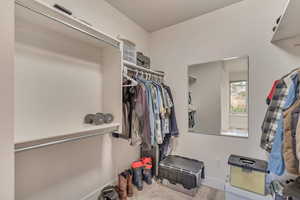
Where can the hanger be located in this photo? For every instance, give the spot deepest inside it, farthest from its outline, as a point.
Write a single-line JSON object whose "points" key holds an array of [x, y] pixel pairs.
{"points": [[125, 75], [136, 73], [294, 70]]}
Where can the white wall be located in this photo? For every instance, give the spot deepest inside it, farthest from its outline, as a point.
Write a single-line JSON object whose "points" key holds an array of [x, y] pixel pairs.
{"points": [[238, 76], [7, 100], [238, 121], [238, 30], [74, 170]]}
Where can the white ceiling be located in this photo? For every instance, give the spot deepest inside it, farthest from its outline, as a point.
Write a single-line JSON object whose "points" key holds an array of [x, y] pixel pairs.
{"points": [[153, 15]]}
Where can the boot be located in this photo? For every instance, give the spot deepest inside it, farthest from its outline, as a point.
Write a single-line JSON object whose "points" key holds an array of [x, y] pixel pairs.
{"points": [[147, 160], [147, 174], [122, 186], [137, 168], [129, 184]]}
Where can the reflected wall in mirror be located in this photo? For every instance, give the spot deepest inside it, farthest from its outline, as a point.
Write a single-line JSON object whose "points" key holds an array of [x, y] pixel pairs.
{"points": [[218, 97]]}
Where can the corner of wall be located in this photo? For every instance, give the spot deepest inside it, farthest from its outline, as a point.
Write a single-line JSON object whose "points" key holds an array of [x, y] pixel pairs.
{"points": [[7, 100]]}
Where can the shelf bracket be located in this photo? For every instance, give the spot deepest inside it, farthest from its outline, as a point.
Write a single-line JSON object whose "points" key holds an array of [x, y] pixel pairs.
{"points": [[120, 136]]}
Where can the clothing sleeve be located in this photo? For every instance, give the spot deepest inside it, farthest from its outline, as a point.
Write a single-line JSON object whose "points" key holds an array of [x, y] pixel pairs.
{"points": [[272, 92], [173, 121]]}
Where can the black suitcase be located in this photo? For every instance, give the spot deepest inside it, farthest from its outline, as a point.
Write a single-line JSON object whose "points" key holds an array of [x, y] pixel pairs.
{"points": [[181, 170]]}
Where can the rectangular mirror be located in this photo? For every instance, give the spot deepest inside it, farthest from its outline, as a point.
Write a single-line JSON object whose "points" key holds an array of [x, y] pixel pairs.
{"points": [[218, 97]]}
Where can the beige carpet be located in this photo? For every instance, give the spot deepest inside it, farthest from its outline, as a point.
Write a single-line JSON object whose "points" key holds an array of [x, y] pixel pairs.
{"points": [[159, 192]]}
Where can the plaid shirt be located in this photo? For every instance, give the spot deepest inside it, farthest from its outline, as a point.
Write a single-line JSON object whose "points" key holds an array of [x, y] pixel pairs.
{"points": [[277, 106], [272, 116]]}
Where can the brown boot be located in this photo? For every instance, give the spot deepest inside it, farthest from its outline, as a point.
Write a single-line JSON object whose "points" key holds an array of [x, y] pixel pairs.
{"points": [[122, 187], [129, 184]]}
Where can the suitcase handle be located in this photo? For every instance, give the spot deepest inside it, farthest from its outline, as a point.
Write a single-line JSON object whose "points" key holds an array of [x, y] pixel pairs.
{"points": [[247, 162]]}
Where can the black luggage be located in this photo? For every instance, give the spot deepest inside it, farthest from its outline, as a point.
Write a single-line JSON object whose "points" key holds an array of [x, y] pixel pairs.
{"points": [[181, 170]]}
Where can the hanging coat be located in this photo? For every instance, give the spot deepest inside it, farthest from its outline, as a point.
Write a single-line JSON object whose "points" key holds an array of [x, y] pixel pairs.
{"points": [[291, 162], [298, 144], [276, 160]]}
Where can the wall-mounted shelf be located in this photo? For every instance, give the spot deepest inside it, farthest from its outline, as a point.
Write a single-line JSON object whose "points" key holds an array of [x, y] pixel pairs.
{"points": [[287, 27], [134, 66], [86, 132], [45, 15], [64, 69]]}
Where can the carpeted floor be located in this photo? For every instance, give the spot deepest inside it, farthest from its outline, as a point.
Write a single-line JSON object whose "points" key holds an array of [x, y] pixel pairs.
{"points": [[160, 192]]}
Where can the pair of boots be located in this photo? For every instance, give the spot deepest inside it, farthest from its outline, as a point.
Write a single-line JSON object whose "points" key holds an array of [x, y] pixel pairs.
{"points": [[125, 187], [142, 171]]}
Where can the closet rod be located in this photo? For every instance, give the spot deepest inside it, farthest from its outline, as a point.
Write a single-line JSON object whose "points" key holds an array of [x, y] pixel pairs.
{"points": [[103, 38], [135, 67], [65, 140]]}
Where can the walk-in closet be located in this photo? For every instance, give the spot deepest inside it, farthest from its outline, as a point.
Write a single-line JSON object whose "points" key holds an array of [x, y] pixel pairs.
{"points": [[149, 100], [62, 73]]}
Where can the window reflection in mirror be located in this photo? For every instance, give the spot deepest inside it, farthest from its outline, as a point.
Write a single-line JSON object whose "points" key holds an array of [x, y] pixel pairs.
{"points": [[218, 97]]}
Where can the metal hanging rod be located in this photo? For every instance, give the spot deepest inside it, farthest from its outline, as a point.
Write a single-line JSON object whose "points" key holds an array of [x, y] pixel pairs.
{"points": [[134, 67], [20, 147]]}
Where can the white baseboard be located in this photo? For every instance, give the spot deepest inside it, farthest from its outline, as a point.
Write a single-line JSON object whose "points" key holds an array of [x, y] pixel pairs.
{"points": [[214, 183], [95, 194]]}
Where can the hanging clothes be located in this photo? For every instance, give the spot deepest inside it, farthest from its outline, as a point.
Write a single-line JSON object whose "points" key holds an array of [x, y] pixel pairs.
{"points": [[128, 94], [173, 121], [294, 128], [283, 145], [276, 107], [276, 160], [149, 138], [291, 163], [149, 111], [140, 123], [157, 121], [272, 92], [192, 112], [298, 143], [273, 114]]}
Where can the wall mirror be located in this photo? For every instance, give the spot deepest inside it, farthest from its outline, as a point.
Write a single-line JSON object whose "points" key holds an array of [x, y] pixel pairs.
{"points": [[218, 97]]}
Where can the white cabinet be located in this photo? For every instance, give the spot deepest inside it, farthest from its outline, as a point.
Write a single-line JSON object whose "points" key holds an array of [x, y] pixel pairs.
{"points": [[287, 26]]}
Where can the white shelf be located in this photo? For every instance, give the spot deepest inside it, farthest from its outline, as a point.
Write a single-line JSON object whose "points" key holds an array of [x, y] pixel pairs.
{"points": [[39, 13], [85, 132], [288, 26], [134, 66]]}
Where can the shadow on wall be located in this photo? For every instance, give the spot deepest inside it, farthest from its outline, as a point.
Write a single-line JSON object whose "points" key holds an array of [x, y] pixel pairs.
{"points": [[70, 170]]}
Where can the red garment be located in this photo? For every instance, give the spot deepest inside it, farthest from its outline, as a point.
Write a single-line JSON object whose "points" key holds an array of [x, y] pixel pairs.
{"points": [[271, 93]]}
